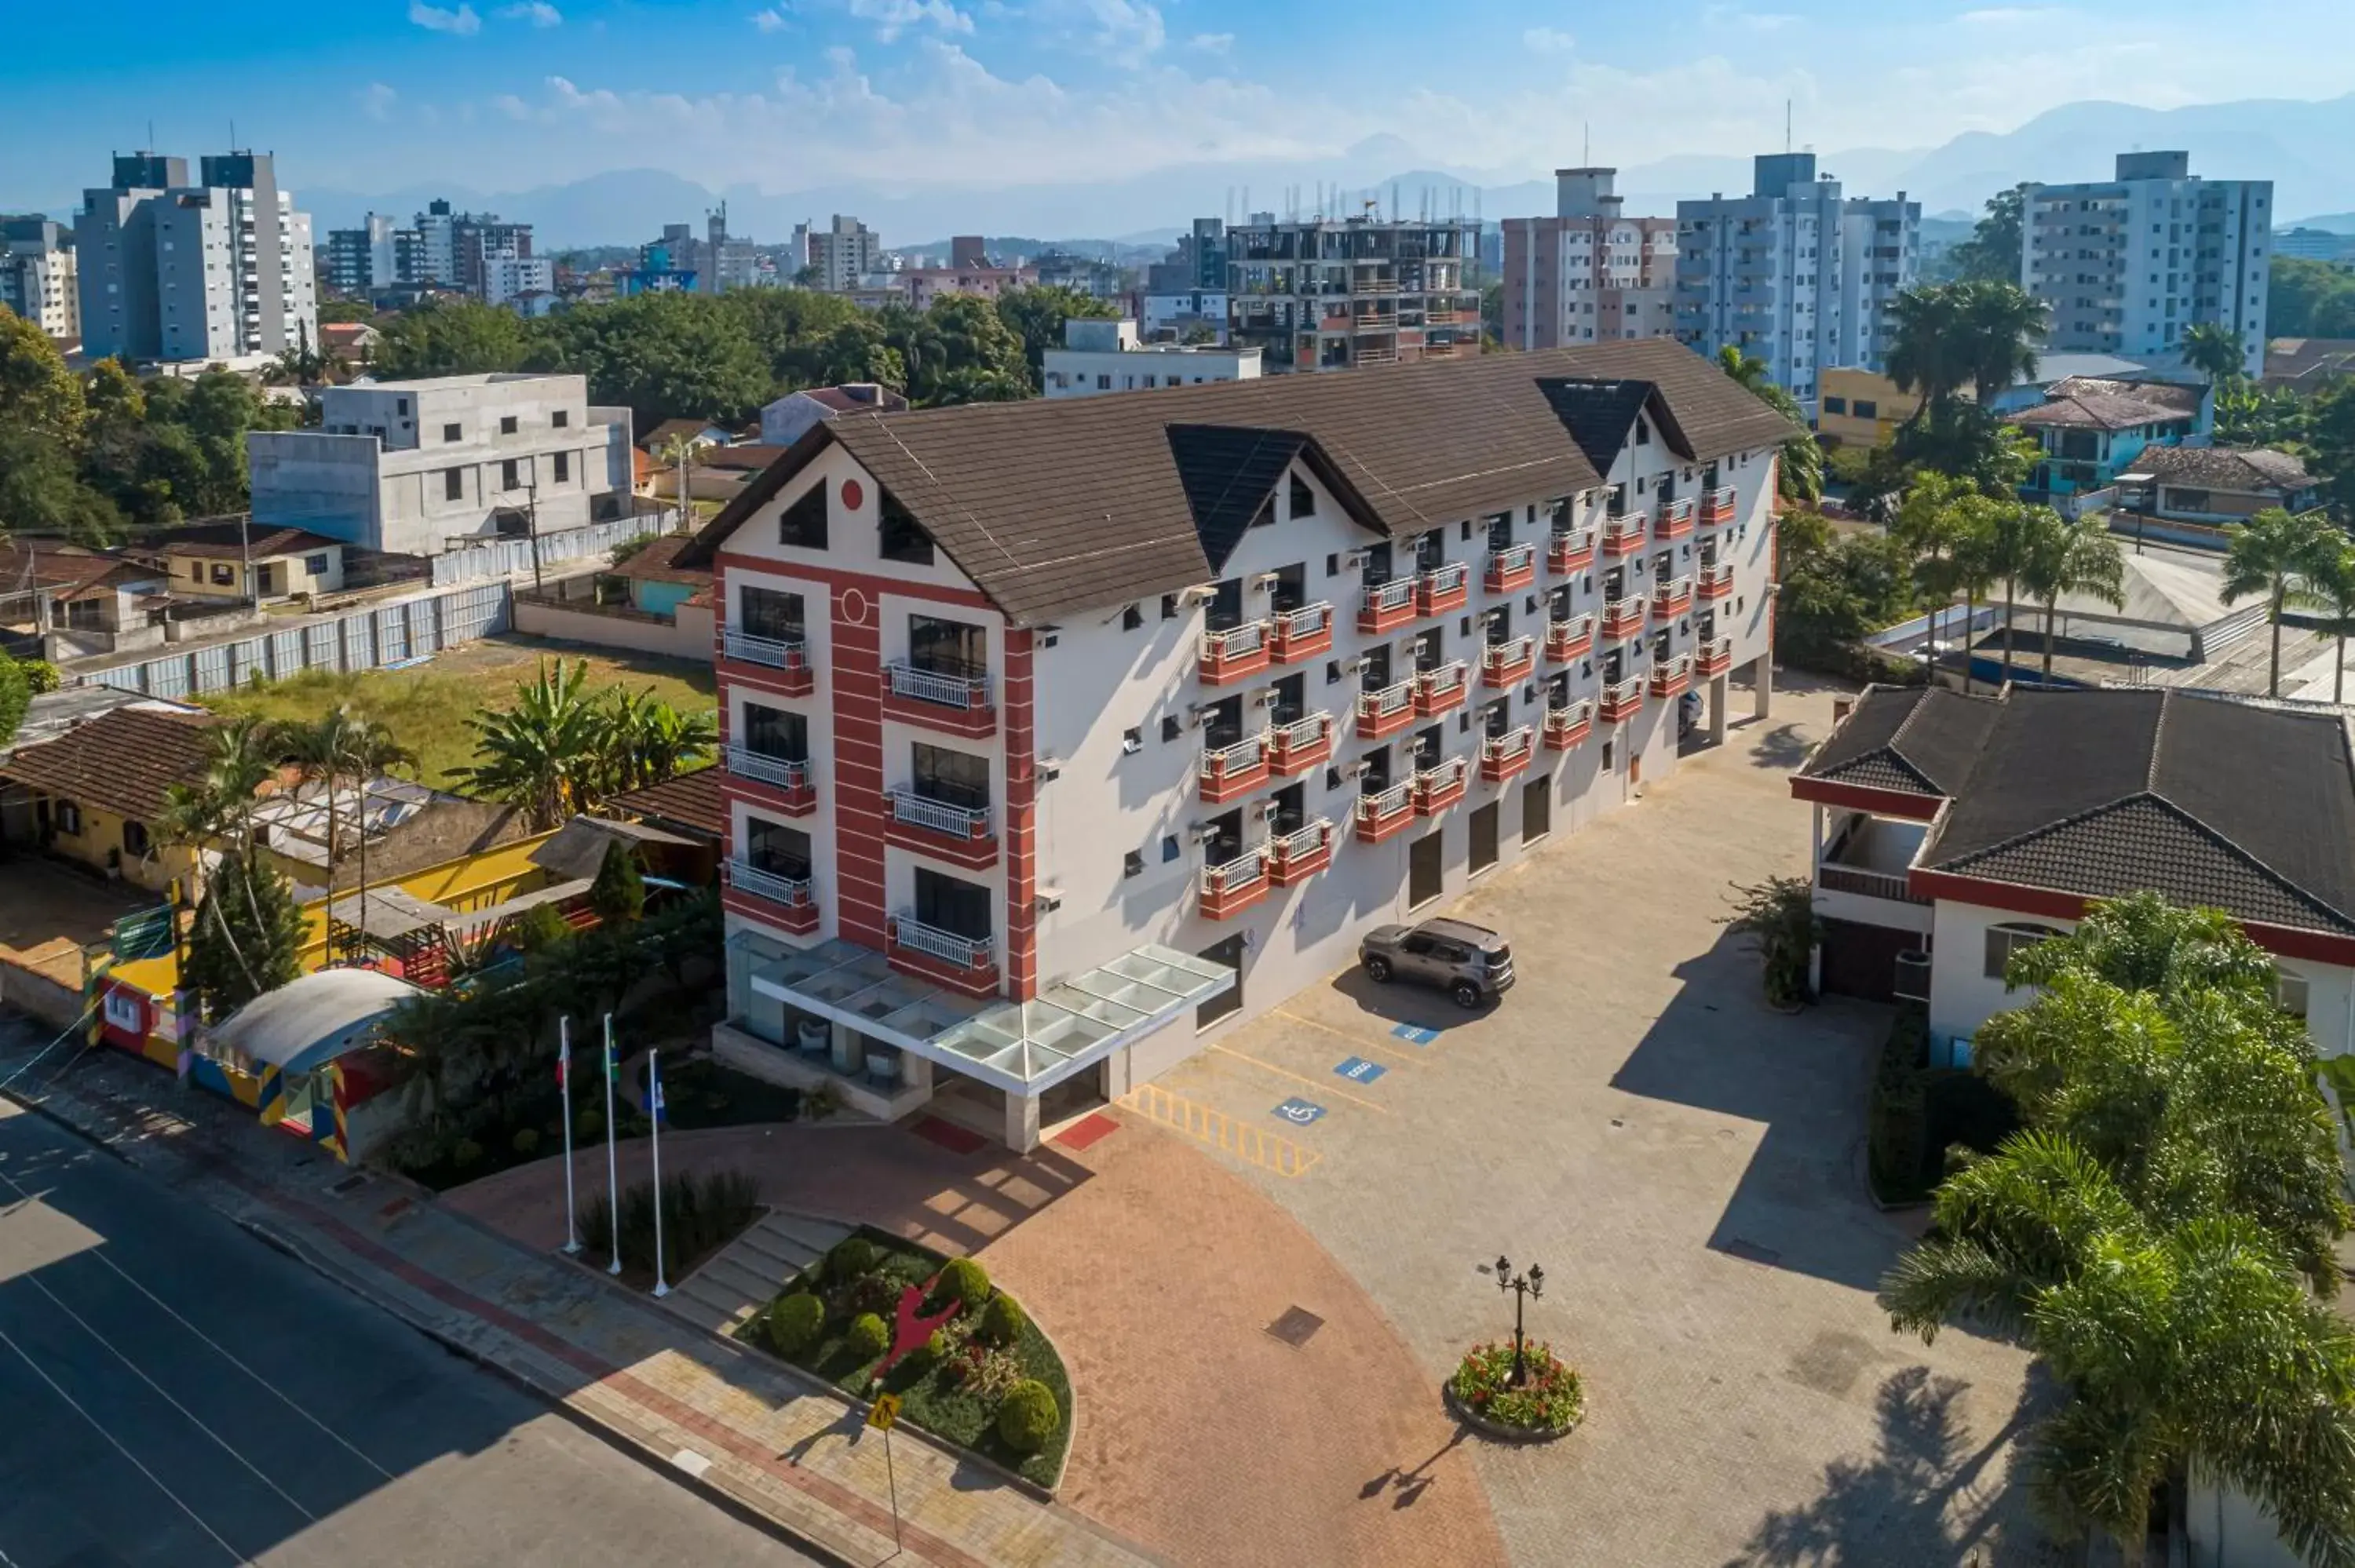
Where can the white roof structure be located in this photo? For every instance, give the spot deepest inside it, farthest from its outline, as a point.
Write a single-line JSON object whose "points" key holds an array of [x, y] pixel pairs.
{"points": [[312, 1019]]}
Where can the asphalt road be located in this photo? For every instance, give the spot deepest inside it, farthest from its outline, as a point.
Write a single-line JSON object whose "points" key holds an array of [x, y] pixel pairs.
{"points": [[172, 1391]]}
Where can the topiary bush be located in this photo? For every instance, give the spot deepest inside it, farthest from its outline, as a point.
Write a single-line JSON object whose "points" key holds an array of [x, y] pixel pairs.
{"points": [[851, 1258], [794, 1321], [1002, 1320], [962, 1279], [1028, 1419], [867, 1337], [926, 1356]]}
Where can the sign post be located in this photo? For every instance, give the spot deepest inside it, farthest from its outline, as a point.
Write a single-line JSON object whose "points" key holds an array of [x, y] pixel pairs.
{"points": [[613, 1160], [654, 1142], [883, 1414], [564, 1082]]}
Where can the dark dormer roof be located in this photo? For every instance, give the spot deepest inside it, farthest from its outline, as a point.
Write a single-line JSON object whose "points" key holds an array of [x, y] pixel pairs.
{"points": [[1229, 474], [1600, 413], [1914, 740]]}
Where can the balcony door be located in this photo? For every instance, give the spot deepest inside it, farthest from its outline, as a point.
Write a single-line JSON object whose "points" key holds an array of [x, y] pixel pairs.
{"points": [[1424, 859], [1484, 837], [1500, 531], [947, 647], [949, 903], [774, 732], [769, 613], [776, 848], [952, 778]]}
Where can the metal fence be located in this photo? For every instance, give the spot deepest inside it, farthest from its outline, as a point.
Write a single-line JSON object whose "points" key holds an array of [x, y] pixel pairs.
{"points": [[507, 557]]}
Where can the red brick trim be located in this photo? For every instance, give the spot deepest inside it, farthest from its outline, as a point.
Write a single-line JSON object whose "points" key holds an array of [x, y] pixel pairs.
{"points": [[2017, 898], [858, 805], [837, 579], [1866, 798], [1017, 692]]}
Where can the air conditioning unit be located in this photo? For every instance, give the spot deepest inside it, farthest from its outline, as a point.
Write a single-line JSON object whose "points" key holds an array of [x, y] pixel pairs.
{"points": [[1047, 900], [1265, 699], [1201, 833], [1201, 593], [1265, 582], [1357, 770]]}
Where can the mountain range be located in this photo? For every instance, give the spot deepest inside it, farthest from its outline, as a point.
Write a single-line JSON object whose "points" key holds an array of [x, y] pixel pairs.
{"points": [[2297, 144]]}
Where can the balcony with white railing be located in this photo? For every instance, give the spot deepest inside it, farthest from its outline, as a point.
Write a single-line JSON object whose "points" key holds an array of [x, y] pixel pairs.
{"points": [[1294, 857], [787, 655], [1715, 657], [1386, 712], [1570, 550], [1670, 676], [1623, 616], [1385, 607], [1671, 598], [786, 901], [1622, 701], [1714, 582], [1232, 655], [945, 830], [967, 964], [1717, 506], [1504, 756], [1295, 635], [1300, 745], [1228, 890], [1514, 566], [1445, 586], [956, 702], [1228, 771], [787, 778], [1675, 521], [1566, 727], [1571, 638], [1441, 785], [1437, 690], [1626, 536], [1385, 813], [1504, 663]]}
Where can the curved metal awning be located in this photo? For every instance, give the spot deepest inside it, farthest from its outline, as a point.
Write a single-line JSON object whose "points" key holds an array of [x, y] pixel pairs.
{"points": [[312, 1019]]}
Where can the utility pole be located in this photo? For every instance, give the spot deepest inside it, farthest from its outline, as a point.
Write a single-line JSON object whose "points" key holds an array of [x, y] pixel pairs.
{"points": [[532, 524], [245, 553]]}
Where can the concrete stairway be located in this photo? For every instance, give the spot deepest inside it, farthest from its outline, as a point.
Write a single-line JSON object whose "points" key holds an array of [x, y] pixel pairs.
{"points": [[743, 1276]]}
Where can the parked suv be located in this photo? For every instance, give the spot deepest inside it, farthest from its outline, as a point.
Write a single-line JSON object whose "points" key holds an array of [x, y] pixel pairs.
{"points": [[1470, 963]]}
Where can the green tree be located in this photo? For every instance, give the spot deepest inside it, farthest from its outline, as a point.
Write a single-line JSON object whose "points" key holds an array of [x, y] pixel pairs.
{"points": [[1036, 315], [1944, 522], [2017, 534], [2215, 350], [247, 936], [2001, 324], [644, 740], [40, 493], [2078, 558], [1948, 336], [15, 695], [2273, 553], [2330, 436], [38, 392], [1993, 253], [2329, 591], [666, 355], [542, 753], [445, 336], [619, 891], [2298, 291], [1799, 473]]}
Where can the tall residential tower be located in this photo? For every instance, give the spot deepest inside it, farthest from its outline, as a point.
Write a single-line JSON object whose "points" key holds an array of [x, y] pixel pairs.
{"points": [[1590, 273]]}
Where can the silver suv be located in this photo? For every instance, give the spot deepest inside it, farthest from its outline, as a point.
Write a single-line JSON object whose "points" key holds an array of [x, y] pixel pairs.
{"points": [[1470, 963]]}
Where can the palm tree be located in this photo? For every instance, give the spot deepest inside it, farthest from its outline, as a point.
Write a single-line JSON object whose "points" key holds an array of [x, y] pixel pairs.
{"points": [[1921, 358], [2015, 534], [1999, 324], [217, 809], [646, 740], [2215, 350], [542, 754], [2329, 588], [2272, 555], [1945, 522], [1799, 473], [2081, 558]]}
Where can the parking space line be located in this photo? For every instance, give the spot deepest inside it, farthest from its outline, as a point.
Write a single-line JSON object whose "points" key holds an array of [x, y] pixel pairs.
{"points": [[1360, 1041], [1252, 1145], [1320, 1086]]}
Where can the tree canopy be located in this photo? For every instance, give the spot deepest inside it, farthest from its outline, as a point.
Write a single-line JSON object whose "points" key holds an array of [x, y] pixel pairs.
{"points": [[1993, 253]]}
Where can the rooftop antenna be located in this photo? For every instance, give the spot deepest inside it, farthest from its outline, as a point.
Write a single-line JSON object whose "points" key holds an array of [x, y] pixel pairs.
{"points": [[1786, 126], [150, 135], [1586, 142]]}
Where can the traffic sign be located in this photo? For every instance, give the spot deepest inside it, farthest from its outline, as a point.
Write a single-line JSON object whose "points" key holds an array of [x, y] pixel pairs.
{"points": [[883, 1411]]}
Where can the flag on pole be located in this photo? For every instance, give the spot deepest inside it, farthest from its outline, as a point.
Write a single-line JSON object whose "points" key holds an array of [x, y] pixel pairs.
{"points": [[564, 1064], [655, 1104]]}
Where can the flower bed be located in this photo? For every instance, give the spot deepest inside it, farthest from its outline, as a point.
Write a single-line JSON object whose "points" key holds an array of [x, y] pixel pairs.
{"points": [[957, 1384], [1548, 1405]]}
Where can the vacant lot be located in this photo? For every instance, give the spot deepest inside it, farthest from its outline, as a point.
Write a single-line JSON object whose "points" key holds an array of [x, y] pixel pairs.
{"points": [[427, 707]]}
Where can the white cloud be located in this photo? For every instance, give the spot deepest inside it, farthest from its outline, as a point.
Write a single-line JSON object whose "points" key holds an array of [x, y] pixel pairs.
{"points": [[1549, 40], [894, 18], [538, 12], [376, 101], [1127, 32], [2012, 17], [772, 20], [1721, 16], [1211, 43], [434, 19], [514, 108]]}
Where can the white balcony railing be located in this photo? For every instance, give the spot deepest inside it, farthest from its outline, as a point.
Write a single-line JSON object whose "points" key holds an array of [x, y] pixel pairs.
{"points": [[1386, 803], [1226, 761], [1720, 502], [1445, 577], [1565, 542], [939, 816], [1237, 873], [1627, 610], [784, 772], [1301, 843], [941, 687], [1570, 630], [1235, 642], [1444, 681], [1624, 693], [777, 653], [1717, 651], [1504, 748], [788, 890], [1510, 559], [1506, 656], [1715, 579], [1677, 514], [1301, 734], [1670, 592], [1389, 700], [1625, 533], [1571, 716], [1443, 774], [1396, 594], [1298, 625], [1669, 671], [965, 952]]}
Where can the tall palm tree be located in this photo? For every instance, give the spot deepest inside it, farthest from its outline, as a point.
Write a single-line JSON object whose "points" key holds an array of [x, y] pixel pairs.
{"points": [[2215, 350], [2272, 555], [2328, 590], [1799, 471], [2015, 534], [2081, 558], [217, 812], [372, 753], [1999, 324], [1925, 335], [324, 750], [542, 754]]}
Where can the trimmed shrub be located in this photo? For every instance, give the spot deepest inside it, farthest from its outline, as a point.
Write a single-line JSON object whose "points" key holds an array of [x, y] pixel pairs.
{"points": [[1897, 1135], [926, 1356], [794, 1321], [1028, 1419], [1002, 1320], [867, 1337], [527, 1141], [964, 1280], [589, 1125], [851, 1258], [465, 1153]]}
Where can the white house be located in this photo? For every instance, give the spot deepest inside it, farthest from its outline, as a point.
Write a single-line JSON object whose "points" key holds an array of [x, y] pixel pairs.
{"points": [[1105, 355], [1950, 830], [1060, 734]]}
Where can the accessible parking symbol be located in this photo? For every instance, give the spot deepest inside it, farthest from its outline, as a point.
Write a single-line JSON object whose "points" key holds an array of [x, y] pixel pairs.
{"points": [[1299, 1112]]}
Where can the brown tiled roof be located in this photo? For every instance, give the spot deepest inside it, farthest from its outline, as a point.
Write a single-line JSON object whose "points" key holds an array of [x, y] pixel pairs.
{"points": [[212, 538], [885, 402], [745, 454], [2251, 470], [67, 572], [689, 800], [121, 761], [1056, 507], [2100, 410], [656, 563], [2293, 360], [663, 431]]}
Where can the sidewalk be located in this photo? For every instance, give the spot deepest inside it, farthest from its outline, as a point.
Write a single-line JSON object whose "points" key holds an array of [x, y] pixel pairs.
{"points": [[722, 1417]]}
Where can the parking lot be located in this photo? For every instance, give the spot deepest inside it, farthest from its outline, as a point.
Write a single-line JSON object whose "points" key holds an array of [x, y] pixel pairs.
{"points": [[1682, 1161]]}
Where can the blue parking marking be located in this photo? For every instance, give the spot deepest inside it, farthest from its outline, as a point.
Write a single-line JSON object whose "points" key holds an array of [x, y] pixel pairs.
{"points": [[1299, 1112], [1415, 1034], [1356, 1069]]}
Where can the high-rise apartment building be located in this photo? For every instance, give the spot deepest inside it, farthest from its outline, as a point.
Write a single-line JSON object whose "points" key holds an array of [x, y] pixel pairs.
{"points": [[220, 269], [479, 253], [367, 257], [36, 276], [2126, 265], [1590, 273], [843, 252], [1795, 274], [1329, 293]]}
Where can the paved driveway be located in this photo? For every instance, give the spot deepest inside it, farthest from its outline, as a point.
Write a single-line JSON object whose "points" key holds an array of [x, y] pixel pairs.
{"points": [[1683, 1162]]}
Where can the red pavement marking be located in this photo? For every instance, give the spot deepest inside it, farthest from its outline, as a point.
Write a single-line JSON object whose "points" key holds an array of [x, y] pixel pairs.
{"points": [[948, 1134], [829, 1493], [1081, 1134]]}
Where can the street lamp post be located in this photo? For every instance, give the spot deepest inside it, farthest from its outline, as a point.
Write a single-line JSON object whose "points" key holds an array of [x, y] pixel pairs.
{"points": [[1523, 1286]]}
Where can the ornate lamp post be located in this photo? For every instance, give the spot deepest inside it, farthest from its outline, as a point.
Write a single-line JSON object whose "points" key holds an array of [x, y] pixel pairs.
{"points": [[1523, 1286]]}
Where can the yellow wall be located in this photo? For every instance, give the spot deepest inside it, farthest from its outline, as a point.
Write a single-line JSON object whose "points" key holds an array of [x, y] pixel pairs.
{"points": [[288, 574], [1845, 385], [101, 835]]}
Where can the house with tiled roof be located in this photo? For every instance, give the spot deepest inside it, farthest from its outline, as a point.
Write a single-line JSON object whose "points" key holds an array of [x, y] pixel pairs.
{"points": [[2214, 485], [1950, 830], [1062, 735], [2089, 429], [93, 793], [788, 419]]}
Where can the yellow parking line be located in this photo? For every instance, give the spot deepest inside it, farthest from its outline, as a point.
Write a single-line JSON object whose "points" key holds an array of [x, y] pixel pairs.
{"points": [[1252, 1145], [1360, 1041], [1318, 1084]]}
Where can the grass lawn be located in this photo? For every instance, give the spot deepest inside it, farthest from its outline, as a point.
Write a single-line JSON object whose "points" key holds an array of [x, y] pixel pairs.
{"points": [[427, 707], [947, 1410]]}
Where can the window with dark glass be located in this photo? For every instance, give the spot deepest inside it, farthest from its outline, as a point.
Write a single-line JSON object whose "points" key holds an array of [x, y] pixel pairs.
{"points": [[1430, 648], [1613, 667], [948, 904], [1304, 500], [1431, 550], [1223, 723], [1617, 506], [903, 538], [947, 647], [1290, 589], [770, 613], [1291, 809], [1498, 624], [1667, 488], [1497, 717], [1225, 842], [1661, 640], [453, 484], [506, 424], [953, 777], [563, 468], [1377, 775], [453, 432], [776, 849], [1500, 531], [804, 522], [1709, 477], [510, 474], [1558, 690], [1426, 746], [1225, 610], [1375, 570], [775, 732], [1558, 603], [1642, 431], [1376, 674], [1290, 703]]}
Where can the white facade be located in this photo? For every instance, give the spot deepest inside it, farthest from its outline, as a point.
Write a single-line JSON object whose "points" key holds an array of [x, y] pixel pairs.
{"points": [[1108, 733], [411, 467], [508, 278], [2126, 265], [843, 252], [1101, 356], [37, 278], [1795, 274], [1590, 273]]}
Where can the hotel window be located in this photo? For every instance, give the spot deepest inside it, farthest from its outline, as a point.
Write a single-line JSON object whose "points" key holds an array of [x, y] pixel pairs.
{"points": [[954, 778], [563, 468], [767, 612], [948, 904], [1835, 405], [776, 849], [947, 647], [453, 484], [804, 522], [510, 474]]}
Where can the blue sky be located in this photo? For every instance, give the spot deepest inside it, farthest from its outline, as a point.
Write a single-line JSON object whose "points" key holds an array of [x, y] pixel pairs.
{"points": [[788, 94]]}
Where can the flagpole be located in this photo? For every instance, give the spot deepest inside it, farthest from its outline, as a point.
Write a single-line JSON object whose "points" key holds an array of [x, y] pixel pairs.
{"points": [[653, 1137], [564, 1080], [613, 1161]]}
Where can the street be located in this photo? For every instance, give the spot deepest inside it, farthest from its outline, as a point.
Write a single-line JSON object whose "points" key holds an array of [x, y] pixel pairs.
{"points": [[178, 1393]]}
